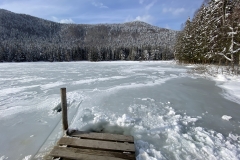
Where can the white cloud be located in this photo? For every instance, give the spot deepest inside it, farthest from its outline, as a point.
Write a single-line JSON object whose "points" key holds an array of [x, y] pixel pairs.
{"points": [[141, 1], [55, 19], [167, 26], [144, 18], [173, 11], [149, 6], [66, 21], [99, 5]]}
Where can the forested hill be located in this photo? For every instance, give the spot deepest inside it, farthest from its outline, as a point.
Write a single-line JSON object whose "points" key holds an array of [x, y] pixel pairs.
{"points": [[27, 38]]}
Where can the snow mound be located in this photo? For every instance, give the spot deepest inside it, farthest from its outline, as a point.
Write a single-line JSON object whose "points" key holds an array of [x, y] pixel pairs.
{"points": [[221, 78]]}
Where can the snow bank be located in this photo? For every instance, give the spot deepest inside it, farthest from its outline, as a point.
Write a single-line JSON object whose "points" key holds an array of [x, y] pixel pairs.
{"points": [[231, 84], [160, 128]]}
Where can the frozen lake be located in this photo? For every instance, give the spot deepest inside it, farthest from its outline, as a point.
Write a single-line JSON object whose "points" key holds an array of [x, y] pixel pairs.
{"points": [[172, 115]]}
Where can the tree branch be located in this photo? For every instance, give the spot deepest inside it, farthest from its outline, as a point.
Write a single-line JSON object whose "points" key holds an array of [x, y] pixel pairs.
{"points": [[222, 54]]}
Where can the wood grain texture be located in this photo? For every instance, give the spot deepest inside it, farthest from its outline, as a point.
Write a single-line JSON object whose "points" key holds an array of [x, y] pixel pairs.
{"points": [[68, 152], [103, 136], [97, 144]]}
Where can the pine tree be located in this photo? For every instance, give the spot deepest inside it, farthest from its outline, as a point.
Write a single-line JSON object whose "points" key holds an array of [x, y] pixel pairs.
{"points": [[212, 35]]}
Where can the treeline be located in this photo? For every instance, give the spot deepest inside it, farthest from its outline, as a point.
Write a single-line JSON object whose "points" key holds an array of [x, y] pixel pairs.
{"points": [[212, 36], [85, 53], [26, 38]]}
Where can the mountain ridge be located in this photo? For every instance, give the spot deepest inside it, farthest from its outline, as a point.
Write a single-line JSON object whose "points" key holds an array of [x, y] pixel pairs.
{"points": [[28, 38]]}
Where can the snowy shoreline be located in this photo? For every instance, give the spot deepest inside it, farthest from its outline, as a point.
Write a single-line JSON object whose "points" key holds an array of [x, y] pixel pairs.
{"points": [[228, 82]]}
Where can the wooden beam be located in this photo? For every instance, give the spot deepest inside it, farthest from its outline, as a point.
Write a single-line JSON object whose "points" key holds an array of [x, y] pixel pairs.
{"points": [[96, 144], [75, 153], [64, 108], [103, 136]]}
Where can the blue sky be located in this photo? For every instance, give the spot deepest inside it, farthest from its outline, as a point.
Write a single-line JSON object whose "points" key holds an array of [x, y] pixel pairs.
{"points": [[163, 13]]}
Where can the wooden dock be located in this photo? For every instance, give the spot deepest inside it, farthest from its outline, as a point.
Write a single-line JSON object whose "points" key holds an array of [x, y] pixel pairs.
{"points": [[79, 145], [94, 146]]}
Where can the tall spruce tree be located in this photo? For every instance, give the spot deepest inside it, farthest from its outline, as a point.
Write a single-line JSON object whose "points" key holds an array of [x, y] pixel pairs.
{"points": [[213, 34]]}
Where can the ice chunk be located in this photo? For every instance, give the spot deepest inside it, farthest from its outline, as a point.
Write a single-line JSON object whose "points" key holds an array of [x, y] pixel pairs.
{"points": [[27, 157], [227, 118], [3, 157], [234, 137]]}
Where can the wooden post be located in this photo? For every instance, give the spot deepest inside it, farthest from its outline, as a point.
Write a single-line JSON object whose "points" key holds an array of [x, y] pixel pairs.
{"points": [[64, 108]]}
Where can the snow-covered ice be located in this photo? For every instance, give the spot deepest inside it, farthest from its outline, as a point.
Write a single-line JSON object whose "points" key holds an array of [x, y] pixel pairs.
{"points": [[171, 114]]}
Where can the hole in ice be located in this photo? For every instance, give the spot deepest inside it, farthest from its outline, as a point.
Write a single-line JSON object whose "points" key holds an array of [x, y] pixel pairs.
{"points": [[58, 108]]}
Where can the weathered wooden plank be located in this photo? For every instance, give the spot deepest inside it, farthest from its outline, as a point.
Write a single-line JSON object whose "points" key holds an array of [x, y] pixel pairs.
{"points": [[65, 153], [56, 150], [103, 136], [96, 144]]}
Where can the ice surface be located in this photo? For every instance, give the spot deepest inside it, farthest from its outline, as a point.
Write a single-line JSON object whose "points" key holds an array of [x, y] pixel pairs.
{"points": [[228, 82], [51, 85], [156, 102]]}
